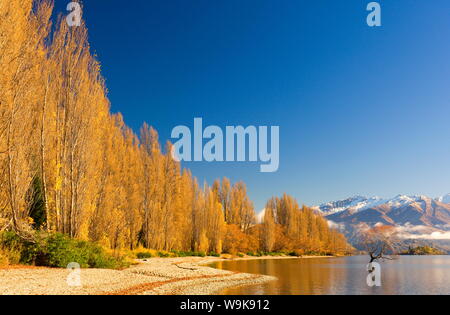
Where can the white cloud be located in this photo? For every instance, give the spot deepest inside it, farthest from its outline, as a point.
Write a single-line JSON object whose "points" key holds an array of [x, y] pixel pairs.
{"points": [[420, 232], [432, 236], [334, 225]]}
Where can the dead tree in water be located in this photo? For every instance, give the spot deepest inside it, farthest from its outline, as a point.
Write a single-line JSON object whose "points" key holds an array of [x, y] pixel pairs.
{"points": [[379, 242]]}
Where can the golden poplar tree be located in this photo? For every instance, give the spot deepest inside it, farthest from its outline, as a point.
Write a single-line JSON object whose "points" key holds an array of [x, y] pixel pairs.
{"points": [[94, 178]]}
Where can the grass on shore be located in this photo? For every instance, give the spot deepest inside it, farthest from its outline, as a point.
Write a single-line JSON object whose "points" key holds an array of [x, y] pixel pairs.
{"points": [[58, 250], [144, 253]]}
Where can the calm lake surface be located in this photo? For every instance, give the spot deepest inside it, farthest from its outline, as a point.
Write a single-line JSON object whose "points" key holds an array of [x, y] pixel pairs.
{"points": [[347, 275]]}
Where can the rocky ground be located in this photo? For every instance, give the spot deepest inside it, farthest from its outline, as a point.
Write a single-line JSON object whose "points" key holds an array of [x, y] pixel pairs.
{"points": [[179, 276]]}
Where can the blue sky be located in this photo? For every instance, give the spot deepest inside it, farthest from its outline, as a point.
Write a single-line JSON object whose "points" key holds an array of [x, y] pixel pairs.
{"points": [[361, 110]]}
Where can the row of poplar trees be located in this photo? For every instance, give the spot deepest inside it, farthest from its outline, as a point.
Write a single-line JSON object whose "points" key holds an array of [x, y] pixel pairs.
{"points": [[68, 165]]}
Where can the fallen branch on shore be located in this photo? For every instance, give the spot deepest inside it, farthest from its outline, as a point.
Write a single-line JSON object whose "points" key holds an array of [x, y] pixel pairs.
{"points": [[186, 268]]}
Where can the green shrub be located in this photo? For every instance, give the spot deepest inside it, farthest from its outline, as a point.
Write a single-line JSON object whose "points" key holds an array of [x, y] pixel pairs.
{"points": [[176, 253], [10, 240], [144, 255], [58, 250], [255, 254], [163, 254], [213, 254], [10, 249]]}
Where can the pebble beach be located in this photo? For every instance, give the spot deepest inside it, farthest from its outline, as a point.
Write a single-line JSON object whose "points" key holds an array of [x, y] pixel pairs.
{"points": [[155, 276]]}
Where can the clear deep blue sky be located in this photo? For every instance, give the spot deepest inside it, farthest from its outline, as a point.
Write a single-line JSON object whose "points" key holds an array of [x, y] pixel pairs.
{"points": [[361, 110]]}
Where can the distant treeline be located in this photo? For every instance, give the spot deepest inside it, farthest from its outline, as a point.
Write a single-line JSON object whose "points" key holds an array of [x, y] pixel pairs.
{"points": [[423, 251], [68, 165]]}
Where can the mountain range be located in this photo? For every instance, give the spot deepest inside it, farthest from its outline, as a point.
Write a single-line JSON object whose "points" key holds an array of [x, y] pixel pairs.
{"points": [[416, 218]]}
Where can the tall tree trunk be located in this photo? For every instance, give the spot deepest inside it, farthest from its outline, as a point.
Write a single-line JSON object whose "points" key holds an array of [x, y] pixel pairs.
{"points": [[72, 194], [58, 173], [11, 189], [44, 178]]}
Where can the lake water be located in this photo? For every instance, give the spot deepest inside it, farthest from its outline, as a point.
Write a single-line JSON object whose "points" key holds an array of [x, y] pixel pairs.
{"points": [[346, 275]]}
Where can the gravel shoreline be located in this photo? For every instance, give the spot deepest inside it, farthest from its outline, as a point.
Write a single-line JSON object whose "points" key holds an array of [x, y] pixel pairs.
{"points": [[155, 276]]}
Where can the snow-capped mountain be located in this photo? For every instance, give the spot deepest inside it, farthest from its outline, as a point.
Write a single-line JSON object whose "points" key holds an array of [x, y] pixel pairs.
{"points": [[354, 204], [444, 199], [359, 203], [415, 217]]}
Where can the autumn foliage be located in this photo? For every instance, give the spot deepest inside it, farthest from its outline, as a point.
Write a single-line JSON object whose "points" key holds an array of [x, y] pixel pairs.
{"points": [[68, 165]]}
